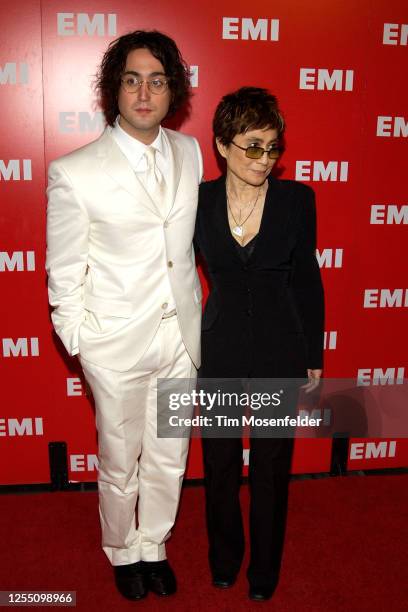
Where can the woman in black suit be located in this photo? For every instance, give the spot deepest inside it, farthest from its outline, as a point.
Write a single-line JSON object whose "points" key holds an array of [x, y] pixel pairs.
{"points": [[263, 319]]}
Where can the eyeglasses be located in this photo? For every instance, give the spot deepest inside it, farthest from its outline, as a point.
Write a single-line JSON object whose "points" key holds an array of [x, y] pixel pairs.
{"points": [[132, 84], [255, 152]]}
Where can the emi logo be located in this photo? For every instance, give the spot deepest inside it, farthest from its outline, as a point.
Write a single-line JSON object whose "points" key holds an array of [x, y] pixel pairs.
{"points": [[319, 171], [317, 413], [330, 340], [16, 170], [21, 347], [75, 388], [194, 76], [373, 450], [395, 34], [378, 376], [83, 24], [321, 78], [389, 214], [17, 261], [14, 73], [386, 298], [82, 463], [392, 126], [330, 258], [23, 427], [246, 28], [83, 121]]}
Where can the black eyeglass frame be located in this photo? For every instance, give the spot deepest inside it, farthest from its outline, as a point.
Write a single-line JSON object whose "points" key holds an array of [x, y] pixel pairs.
{"points": [[276, 151]]}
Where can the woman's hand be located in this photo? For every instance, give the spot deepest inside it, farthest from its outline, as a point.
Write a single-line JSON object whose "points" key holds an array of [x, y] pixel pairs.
{"points": [[314, 377]]}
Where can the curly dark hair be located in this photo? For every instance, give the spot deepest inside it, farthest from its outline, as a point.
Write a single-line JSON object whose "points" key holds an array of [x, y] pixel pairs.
{"points": [[163, 48], [248, 108]]}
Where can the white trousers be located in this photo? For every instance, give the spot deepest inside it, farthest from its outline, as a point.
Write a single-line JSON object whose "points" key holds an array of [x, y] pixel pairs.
{"points": [[136, 467]]}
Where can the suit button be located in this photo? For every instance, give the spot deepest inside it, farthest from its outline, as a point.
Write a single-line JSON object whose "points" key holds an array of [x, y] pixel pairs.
{"points": [[166, 224], [248, 312], [170, 264], [164, 305]]}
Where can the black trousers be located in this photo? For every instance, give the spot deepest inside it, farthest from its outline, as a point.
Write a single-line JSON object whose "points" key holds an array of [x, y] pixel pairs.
{"points": [[269, 474]]}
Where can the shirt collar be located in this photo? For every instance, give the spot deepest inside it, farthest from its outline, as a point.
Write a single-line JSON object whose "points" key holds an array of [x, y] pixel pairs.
{"points": [[132, 148]]}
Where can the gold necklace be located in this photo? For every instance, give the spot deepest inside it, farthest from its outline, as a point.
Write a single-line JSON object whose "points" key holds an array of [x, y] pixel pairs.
{"points": [[238, 229]]}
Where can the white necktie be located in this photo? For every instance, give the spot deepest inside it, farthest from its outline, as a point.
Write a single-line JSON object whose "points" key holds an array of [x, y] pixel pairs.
{"points": [[154, 179]]}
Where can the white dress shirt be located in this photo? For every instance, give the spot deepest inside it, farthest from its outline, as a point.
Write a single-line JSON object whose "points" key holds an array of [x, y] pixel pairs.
{"points": [[134, 151]]}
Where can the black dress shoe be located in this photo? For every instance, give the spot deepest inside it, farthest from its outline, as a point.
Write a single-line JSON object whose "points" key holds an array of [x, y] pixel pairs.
{"points": [[160, 577], [130, 580], [261, 593], [223, 582]]}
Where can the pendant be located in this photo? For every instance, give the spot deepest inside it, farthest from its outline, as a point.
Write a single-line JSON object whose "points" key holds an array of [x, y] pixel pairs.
{"points": [[238, 230]]}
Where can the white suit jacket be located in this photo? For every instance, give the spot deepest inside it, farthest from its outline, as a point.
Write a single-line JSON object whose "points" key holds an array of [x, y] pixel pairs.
{"points": [[112, 255]]}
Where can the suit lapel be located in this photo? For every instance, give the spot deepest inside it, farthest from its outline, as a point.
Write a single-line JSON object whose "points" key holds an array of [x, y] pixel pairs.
{"points": [[114, 163], [221, 218], [270, 218], [175, 162]]}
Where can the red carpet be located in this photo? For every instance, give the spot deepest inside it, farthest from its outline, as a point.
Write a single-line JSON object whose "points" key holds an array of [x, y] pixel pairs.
{"points": [[346, 550]]}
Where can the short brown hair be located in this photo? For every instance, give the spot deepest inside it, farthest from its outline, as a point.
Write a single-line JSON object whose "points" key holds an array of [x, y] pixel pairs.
{"points": [[163, 48], [248, 108]]}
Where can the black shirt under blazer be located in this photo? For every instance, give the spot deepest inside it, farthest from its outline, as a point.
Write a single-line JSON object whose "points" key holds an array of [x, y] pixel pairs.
{"points": [[263, 318]]}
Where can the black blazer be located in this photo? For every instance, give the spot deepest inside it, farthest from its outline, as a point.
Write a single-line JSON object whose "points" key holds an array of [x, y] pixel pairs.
{"points": [[263, 318]]}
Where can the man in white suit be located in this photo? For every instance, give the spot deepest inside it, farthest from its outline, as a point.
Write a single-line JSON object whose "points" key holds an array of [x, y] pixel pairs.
{"points": [[126, 296]]}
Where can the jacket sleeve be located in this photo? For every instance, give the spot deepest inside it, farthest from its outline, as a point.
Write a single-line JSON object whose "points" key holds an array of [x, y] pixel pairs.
{"points": [[67, 255], [200, 160], [196, 239], [306, 282]]}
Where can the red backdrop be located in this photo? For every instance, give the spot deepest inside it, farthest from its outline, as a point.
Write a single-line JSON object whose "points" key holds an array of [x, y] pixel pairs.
{"points": [[338, 69]]}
